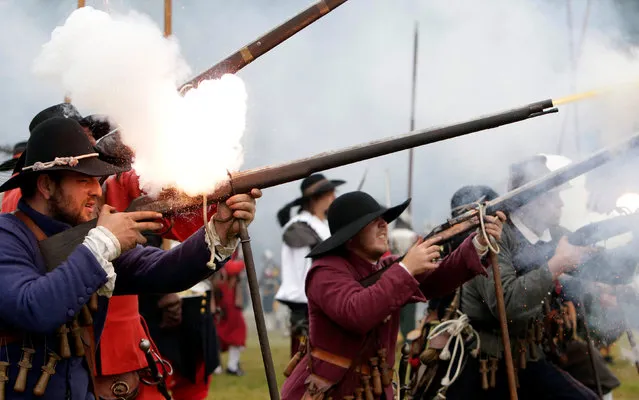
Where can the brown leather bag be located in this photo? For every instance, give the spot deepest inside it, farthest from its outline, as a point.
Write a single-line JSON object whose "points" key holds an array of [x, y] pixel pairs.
{"points": [[118, 387]]}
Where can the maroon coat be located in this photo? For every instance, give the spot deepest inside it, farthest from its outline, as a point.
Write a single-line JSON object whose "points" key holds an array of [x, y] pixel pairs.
{"points": [[342, 311]]}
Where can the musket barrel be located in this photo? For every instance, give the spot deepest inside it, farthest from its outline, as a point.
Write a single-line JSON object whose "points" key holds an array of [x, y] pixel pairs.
{"points": [[267, 42], [265, 177], [523, 194]]}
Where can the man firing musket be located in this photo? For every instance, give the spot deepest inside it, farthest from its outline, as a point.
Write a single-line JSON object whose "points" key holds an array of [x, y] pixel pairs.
{"points": [[43, 308]]}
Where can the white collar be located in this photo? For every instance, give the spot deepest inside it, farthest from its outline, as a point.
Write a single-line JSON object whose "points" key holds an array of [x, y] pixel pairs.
{"points": [[531, 236]]}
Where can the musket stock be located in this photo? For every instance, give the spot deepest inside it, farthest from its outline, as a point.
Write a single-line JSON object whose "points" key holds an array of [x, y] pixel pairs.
{"points": [[266, 42]]}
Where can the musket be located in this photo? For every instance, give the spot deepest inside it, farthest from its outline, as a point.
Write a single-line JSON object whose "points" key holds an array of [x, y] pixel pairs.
{"points": [[266, 42], [525, 193], [605, 229], [58, 247]]}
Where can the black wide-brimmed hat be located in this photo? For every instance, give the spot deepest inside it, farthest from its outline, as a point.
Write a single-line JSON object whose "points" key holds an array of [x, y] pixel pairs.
{"points": [[349, 214], [62, 110], [313, 185], [60, 144], [10, 164]]}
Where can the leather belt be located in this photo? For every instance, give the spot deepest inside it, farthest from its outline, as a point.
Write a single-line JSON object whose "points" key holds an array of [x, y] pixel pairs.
{"points": [[339, 361]]}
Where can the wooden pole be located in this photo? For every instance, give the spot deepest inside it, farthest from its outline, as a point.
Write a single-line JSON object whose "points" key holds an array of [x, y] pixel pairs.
{"points": [[503, 322], [168, 27], [412, 115], [67, 97], [258, 313]]}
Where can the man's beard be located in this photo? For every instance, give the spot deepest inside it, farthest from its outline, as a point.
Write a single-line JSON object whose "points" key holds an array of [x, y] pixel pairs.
{"points": [[61, 209]]}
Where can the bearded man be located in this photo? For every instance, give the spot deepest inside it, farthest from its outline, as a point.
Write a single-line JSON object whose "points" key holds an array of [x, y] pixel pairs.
{"points": [[45, 323]]}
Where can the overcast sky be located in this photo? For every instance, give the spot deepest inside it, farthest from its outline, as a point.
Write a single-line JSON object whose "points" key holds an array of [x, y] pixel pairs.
{"points": [[346, 80]]}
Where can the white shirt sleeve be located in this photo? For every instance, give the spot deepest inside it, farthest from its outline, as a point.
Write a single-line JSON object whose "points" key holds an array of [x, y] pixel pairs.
{"points": [[481, 250], [105, 248], [218, 252]]}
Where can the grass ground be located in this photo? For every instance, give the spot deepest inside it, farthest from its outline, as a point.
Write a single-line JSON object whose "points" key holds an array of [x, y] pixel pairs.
{"points": [[253, 386]]}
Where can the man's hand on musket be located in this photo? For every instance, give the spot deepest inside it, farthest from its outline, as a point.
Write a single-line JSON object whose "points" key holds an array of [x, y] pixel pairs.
{"points": [[423, 256], [127, 226], [568, 257], [235, 208], [494, 226]]}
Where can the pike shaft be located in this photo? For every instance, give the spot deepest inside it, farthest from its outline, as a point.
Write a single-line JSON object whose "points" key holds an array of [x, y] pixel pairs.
{"points": [[267, 42], [258, 312], [503, 324]]}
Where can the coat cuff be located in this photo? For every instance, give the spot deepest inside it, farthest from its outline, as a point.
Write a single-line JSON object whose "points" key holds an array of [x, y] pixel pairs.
{"points": [[105, 247], [219, 252]]}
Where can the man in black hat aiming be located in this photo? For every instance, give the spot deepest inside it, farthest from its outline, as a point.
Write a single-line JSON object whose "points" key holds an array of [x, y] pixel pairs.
{"points": [[44, 319], [301, 233], [354, 319]]}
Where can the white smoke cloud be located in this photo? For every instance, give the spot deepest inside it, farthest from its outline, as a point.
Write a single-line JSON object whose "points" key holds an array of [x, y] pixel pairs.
{"points": [[122, 66], [346, 79]]}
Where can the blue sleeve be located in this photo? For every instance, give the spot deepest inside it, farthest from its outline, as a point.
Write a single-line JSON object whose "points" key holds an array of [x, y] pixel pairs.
{"points": [[33, 300], [145, 270]]}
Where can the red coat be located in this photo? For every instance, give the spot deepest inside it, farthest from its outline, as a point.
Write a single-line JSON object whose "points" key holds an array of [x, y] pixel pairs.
{"points": [[119, 351], [10, 200], [341, 311], [231, 328]]}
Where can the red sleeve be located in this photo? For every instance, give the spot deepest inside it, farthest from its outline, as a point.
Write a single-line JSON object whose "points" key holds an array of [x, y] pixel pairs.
{"points": [[458, 267], [122, 190], [10, 200], [349, 304]]}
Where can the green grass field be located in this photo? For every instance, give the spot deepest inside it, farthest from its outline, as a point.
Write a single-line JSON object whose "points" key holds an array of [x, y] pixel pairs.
{"points": [[253, 384]]}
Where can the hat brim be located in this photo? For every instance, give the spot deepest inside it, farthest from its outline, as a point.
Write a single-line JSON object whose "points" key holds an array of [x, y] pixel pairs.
{"points": [[347, 232], [329, 186], [89, 166], [8, 165]]}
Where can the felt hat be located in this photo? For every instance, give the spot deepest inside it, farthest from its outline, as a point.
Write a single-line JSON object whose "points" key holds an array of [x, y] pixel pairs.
{"points": [[311, 186], [349, 214], [60, 144], [62, 110], [10, 164]]}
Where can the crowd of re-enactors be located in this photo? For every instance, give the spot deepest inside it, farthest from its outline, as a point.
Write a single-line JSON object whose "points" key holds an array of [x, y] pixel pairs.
{"points": [[338, 289]]}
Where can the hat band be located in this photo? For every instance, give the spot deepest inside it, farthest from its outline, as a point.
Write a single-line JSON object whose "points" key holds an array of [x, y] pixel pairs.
{"points": [[309, 190], [70, 161]]}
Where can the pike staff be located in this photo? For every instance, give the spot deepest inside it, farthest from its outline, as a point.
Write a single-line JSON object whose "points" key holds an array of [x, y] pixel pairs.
{"points": [[81, 3], [265, 43], [412, 115]]}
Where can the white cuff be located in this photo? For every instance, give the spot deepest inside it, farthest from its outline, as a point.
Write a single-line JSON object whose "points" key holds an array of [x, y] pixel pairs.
{"points": [[481, 250], [218, 252], [105, 247]]}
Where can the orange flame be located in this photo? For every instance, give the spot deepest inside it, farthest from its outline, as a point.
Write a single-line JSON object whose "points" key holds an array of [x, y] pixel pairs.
{"points": [[594, 93]]}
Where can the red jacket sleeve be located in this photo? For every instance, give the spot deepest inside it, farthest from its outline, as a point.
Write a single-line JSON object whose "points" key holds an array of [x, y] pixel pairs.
{"points": [[356, 308], [10, 200], [460, 266], [123, 189]]}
